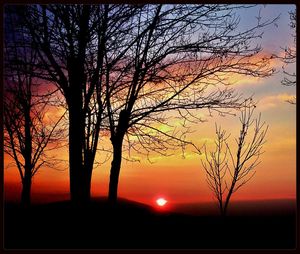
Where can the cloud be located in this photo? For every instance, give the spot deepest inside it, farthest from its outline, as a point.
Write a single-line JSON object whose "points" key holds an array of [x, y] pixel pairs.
{"points": [[273, 101]]}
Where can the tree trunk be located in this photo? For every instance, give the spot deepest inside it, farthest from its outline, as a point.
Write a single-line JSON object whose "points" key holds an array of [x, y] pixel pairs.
{"points": [[221, 206], [86, 183], [75, 155], [26, 189], [228, 199], [75, 152], [224, 212], [115, 169], [26, 181], [80, 172], [76, 130], [117, 142]]}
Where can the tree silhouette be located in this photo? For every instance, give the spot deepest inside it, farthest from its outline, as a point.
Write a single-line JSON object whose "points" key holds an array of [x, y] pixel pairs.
{"points": [[227, 171], [119, 67], [26, 134], [178, 61], [290, 57], [71, 41]]}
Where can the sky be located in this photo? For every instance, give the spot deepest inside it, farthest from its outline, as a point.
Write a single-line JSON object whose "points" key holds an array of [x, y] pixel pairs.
{"points": [[182, 180]]}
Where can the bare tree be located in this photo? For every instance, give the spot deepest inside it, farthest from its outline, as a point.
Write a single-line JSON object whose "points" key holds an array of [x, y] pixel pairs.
{"points": [[228, 170], [136, 62], [290, 57], [71, 41], [178, 61], [27, 137]]}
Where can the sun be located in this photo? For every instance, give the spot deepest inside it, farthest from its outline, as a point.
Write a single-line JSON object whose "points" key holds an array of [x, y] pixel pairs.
{"points": [[161, 201]]}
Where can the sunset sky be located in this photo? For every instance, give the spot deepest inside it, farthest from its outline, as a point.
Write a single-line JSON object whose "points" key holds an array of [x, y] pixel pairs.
{"points": [[181, 179]]}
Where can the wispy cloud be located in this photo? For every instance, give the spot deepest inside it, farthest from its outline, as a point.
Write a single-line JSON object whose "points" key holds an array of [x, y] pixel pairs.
{"points": [[273, 101]]}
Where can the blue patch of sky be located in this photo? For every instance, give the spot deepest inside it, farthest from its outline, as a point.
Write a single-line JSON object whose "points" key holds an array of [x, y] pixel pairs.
{"points": [[276, 35], [274, 39]]}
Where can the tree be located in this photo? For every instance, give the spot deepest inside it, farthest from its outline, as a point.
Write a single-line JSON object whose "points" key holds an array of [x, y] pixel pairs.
{"points": [[71, 41], [121, 66], [290, 54], [26, 134], [227, 171], [178, 60]]}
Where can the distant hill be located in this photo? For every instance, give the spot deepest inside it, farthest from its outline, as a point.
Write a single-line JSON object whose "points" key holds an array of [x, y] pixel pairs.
{"points": [[132, 225], [249, 207]]}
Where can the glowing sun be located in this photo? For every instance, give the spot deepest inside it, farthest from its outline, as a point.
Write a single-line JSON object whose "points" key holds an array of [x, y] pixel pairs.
{"points": [[161, 201]]}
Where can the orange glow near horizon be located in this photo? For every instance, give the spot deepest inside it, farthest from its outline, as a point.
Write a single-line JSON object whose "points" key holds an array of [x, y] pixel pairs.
{"points": [[181, 179]]}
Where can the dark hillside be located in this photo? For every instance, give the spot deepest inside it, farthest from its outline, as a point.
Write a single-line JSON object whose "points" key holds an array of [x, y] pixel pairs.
{"points": [[134, 225]]}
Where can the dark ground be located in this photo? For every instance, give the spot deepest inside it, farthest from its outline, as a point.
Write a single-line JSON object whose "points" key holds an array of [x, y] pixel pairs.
{"points": [[132, 225]]}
